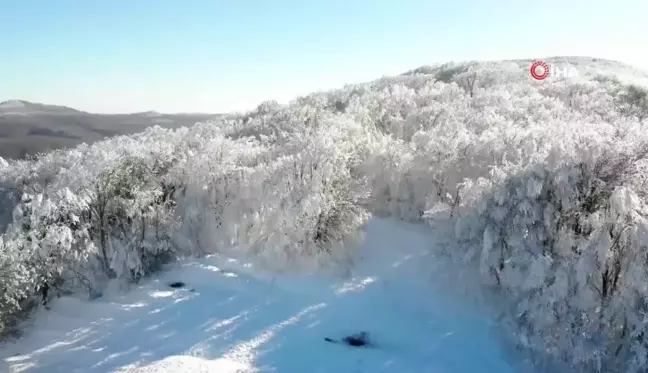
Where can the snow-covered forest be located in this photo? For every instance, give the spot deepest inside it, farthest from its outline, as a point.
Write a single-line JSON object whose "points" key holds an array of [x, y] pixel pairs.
{"points": [[540, 188]]}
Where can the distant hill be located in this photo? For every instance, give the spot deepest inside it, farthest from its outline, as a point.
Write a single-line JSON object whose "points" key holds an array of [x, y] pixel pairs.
{"points": [[29, 127]]}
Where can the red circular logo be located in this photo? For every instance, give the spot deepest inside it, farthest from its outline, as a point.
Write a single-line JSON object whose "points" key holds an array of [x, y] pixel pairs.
{"points": [[539, 70]]}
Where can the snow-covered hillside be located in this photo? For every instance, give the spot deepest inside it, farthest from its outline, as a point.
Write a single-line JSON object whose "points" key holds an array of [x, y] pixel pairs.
{"points": [[537, 187]]}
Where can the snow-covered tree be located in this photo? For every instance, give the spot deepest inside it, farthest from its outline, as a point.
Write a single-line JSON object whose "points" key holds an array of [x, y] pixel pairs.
{"points": [[541, 186]]}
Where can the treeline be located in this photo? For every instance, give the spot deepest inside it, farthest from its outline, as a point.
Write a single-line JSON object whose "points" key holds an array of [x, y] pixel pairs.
{"points": [[542, 184]]}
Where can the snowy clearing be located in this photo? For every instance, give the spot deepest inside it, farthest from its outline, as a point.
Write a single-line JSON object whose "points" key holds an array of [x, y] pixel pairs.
{"points": [[230, 318]]}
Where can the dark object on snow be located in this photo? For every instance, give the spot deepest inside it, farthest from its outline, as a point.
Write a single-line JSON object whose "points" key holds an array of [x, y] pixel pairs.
{"points": [[44, 290], [177, 284], [356, 340]]}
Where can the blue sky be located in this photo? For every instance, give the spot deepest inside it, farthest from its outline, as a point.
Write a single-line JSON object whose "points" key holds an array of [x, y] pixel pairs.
{"points": [[217, 56]]}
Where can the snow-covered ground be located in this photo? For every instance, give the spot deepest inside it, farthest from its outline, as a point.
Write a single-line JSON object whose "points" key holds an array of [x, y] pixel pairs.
{"points": [[231, 317]]}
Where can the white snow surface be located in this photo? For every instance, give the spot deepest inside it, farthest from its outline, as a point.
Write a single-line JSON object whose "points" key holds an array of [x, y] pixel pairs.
{"points": [[233, 317]]}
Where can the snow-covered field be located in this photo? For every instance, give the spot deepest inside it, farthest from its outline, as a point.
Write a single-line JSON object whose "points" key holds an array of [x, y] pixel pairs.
{"points": [[232, 318]]}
